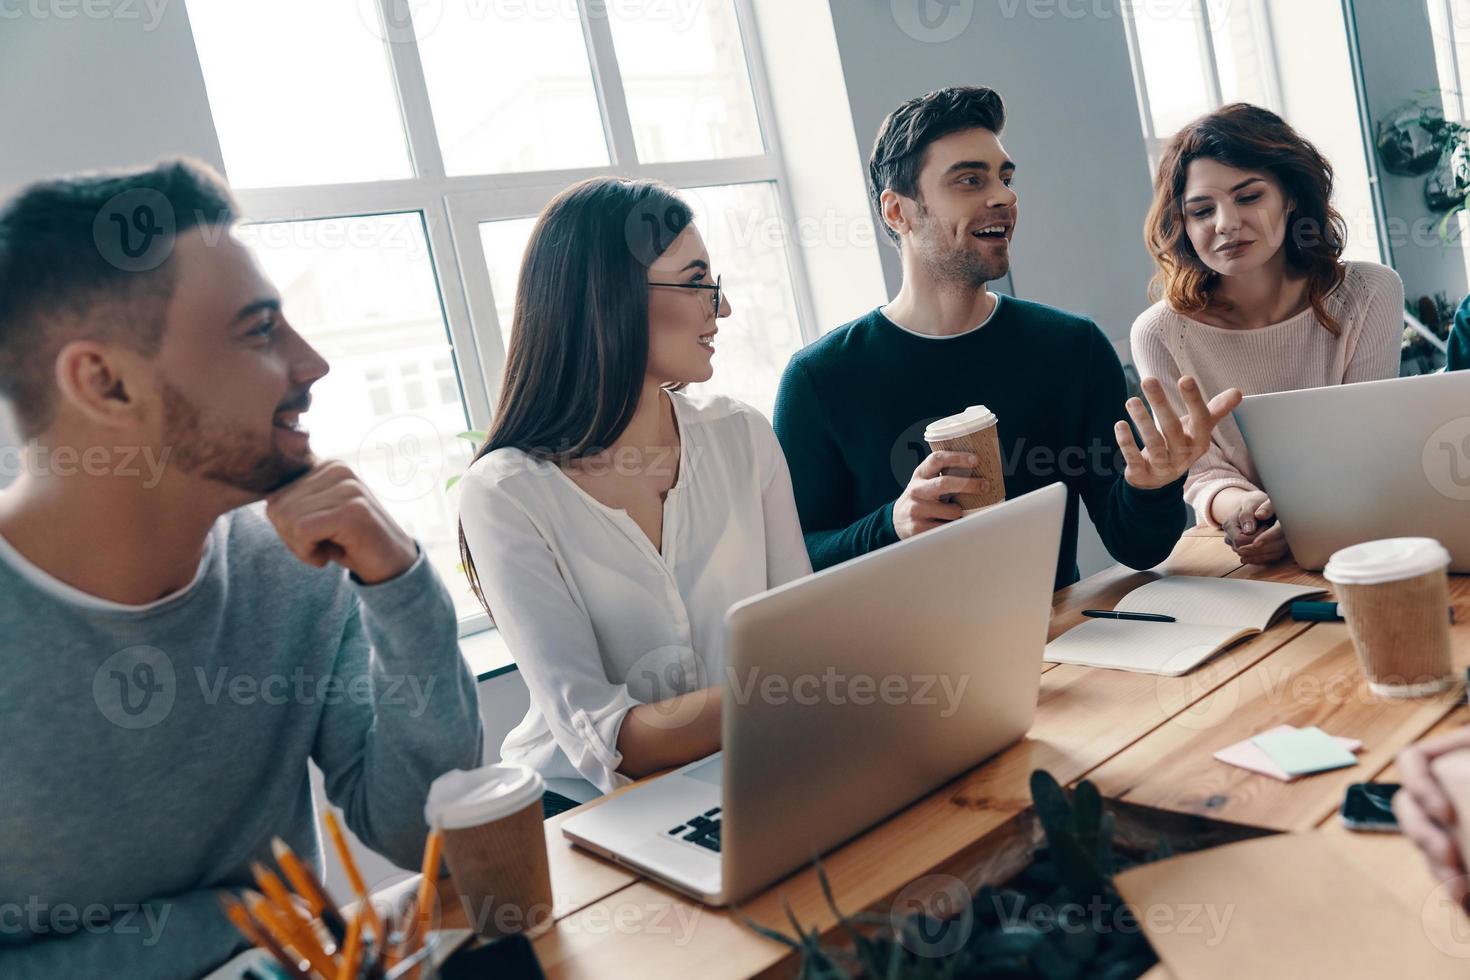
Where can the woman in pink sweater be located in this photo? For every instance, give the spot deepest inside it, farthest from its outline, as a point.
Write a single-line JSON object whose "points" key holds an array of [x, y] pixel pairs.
{"points": [[1253, 294]]}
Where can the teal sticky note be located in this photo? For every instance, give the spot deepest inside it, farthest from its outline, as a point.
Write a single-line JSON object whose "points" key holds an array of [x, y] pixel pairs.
{"points": [[1303, 750]]}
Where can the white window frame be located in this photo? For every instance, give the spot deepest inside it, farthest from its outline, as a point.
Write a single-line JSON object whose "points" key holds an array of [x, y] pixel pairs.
{"points": [[454, 207], [1260, 16]]}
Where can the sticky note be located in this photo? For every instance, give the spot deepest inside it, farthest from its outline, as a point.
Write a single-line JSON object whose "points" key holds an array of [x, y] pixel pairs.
{"points": [[1304, 750], [1249, 756]]}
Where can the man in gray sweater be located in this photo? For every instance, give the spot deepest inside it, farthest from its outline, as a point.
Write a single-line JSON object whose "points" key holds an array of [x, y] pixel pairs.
{"points": [[191, 606]]}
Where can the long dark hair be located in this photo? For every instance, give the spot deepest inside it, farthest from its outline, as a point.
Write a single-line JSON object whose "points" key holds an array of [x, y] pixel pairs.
{"points": [[1246, 137], [578, 349]]}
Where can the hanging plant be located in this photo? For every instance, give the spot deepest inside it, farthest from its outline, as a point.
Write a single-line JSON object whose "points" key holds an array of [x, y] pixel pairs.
{"points": [[1413, 137], [1448, 184]]}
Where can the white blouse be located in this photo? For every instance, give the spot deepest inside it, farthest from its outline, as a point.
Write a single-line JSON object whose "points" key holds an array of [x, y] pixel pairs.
{"points": [[597, 618]]}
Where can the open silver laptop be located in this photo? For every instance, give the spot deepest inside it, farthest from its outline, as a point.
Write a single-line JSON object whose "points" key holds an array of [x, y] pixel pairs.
{"points": [[848, 695], [1354, 463]]}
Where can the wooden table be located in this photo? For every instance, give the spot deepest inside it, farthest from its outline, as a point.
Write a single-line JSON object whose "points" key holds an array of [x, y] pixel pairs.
{"points": [[1141, 738]]}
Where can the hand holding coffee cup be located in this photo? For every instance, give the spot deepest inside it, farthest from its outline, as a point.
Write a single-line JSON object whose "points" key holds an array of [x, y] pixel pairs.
{"points": [[926, 503], [1394, 595], [955, 478]]}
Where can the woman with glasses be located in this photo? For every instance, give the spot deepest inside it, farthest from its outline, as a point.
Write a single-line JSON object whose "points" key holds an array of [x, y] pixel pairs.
{"points": [[611, 518]]}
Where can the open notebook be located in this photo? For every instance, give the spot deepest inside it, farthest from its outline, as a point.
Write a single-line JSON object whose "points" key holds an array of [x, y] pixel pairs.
{"points": [[1211, 614]]}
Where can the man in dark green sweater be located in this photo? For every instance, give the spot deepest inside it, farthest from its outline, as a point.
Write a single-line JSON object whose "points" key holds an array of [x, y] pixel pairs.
{"points": [[853, 406]]}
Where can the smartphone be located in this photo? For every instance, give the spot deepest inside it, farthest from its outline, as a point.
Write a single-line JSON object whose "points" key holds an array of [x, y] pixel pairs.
{"points": [[1369, 806]]}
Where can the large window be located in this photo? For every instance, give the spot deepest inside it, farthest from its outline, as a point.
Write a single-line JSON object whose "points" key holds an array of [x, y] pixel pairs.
{"points": [[391, 156], [1192, 56]]}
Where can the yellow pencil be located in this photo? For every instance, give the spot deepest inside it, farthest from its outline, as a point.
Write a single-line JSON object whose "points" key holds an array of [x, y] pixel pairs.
{"points": [[270, 917], [429, 883], [257, 936], [354, 877], [351, 950], [303, 935], [263, 915], [306, 885]]}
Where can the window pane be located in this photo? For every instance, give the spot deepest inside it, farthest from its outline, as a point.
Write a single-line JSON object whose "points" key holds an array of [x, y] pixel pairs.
{"points": [[742, 231], [511, 87], [362, 291], [1174, 63], [688, 88], [1241, 52], [505, 243], [301, 93]]}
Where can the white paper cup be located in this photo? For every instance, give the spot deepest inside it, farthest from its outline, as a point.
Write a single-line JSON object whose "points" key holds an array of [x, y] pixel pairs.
{"points": [[495, 845], [1394, 595], [974, 431]]}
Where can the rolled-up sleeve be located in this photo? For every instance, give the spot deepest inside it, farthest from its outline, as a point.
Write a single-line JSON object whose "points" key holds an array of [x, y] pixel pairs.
{"points": [[547, 630]]}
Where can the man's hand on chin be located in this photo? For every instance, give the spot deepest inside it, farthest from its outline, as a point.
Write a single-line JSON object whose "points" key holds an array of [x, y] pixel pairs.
{"points": [[1170, 444], [328, 515]]}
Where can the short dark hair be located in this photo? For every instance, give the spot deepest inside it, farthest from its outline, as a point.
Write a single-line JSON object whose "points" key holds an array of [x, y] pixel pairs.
{"points": [[904, 137], [67, 271]]}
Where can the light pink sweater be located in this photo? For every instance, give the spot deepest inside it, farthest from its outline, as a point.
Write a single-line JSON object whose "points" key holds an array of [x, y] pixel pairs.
{"points": [[1296, 353]]}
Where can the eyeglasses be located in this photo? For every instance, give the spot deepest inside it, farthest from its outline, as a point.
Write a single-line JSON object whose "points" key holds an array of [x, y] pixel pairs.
{"points": [[698, 285]]}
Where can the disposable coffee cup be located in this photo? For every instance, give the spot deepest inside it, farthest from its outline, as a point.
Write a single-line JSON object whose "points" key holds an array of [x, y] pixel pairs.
{"points": [[1394, 595], [495, 845], [972, 431]]}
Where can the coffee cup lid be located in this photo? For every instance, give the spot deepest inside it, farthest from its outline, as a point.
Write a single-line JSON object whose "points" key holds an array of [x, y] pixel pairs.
{"points": [[470, 797], [1388, 560], [972, 419]]}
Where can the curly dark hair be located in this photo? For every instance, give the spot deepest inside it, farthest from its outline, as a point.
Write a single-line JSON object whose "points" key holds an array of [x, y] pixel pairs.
{"points": [[1246, 137]]}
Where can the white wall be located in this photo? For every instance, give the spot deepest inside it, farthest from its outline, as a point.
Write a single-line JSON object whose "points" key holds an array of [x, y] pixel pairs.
{"points": [[83, 93], [1073, 129]]}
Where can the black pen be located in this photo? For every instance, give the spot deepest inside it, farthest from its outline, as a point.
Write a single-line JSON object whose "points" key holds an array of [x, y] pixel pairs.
{"points": [[1139, 617]]}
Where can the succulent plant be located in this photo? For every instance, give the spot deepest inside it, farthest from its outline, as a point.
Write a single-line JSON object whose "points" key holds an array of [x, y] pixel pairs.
{"points": [[1061, 919]]}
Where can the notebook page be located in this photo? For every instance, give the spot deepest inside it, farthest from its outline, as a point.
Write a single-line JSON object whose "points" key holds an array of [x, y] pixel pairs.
{"points": [[1170, 649], [1215, 601]]}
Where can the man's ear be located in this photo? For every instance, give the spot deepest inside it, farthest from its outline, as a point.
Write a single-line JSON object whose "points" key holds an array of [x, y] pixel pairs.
{"points": [[890, 207], [100, 381]]}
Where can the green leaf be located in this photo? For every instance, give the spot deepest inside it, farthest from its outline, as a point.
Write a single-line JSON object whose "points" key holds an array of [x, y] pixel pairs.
{"points": [[1104, 850], [1051, 806], [1087, 807], [474, 435], [449, 483]]}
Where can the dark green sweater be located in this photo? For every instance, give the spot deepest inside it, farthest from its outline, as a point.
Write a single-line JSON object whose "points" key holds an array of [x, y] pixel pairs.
{"points": [[852, 408]]}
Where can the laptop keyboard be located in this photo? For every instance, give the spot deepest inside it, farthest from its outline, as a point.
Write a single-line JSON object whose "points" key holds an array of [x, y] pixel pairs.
{"points": [[702, 830]]}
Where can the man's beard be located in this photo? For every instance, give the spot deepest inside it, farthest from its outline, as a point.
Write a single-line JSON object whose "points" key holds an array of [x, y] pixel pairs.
{"points": [[214, 450], [956, 265]]}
